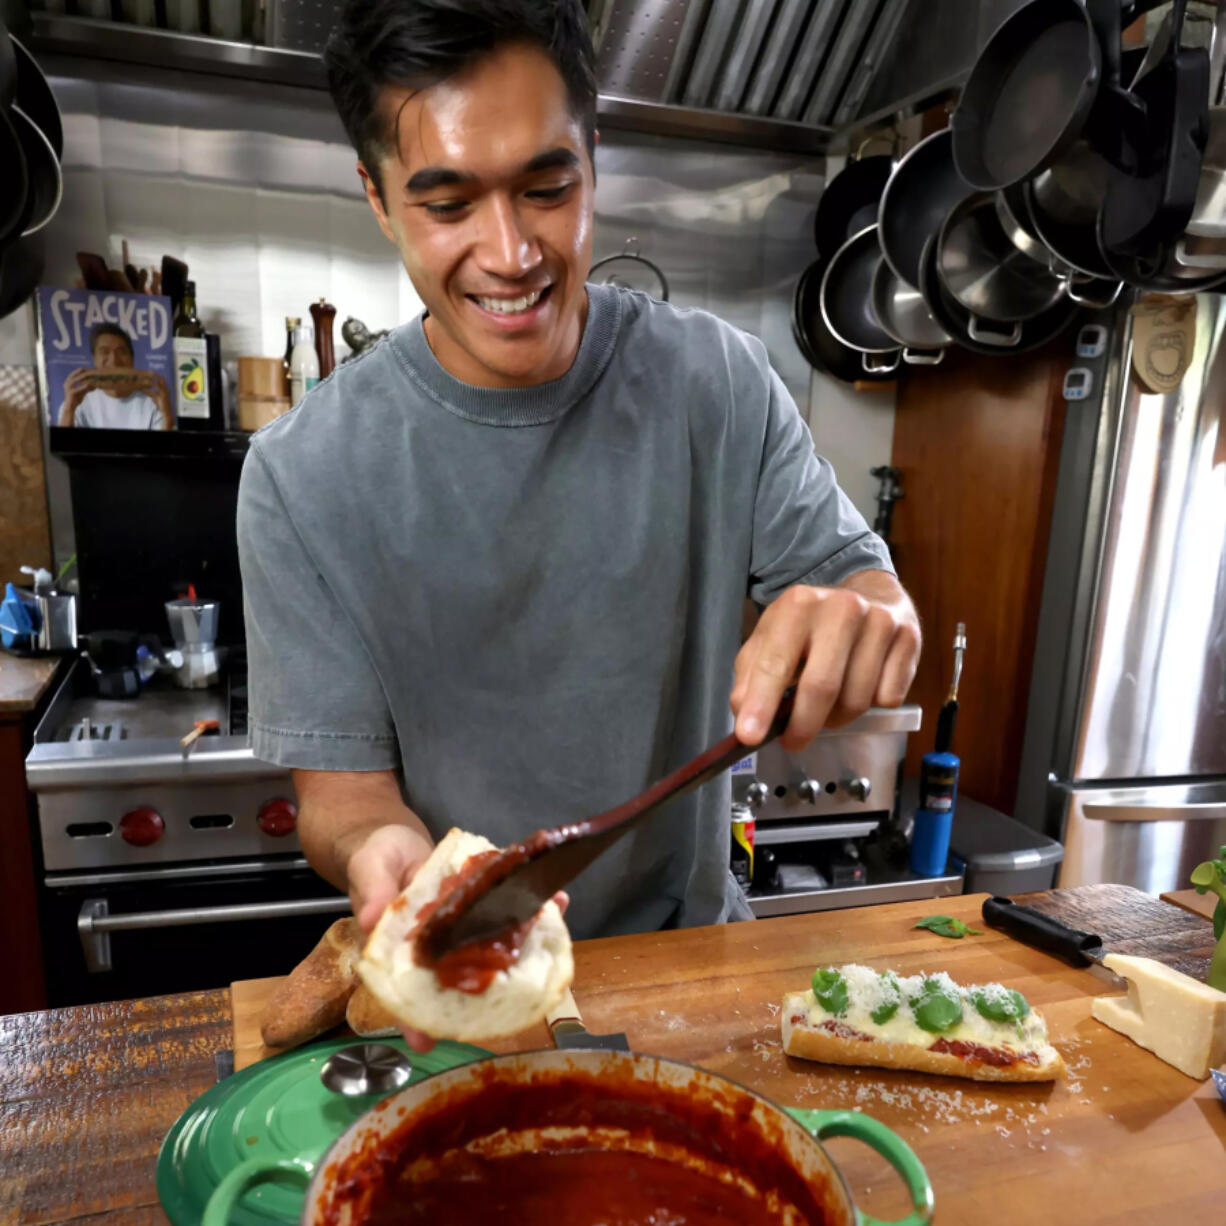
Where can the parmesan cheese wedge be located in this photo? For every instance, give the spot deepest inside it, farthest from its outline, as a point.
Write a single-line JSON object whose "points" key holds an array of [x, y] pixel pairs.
{"points": [[1178, 1018]]}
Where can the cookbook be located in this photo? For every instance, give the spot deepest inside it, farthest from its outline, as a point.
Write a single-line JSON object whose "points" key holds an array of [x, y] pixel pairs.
{"points": [[106, 359]]}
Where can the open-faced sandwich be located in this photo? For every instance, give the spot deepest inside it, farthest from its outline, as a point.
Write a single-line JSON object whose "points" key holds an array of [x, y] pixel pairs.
{"points": [[502, 990], [854, 1015]]}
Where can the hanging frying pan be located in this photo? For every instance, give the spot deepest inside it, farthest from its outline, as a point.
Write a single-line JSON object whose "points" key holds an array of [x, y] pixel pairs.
{"points": [[820, 349], [8, 69], [1015, 218], [46, 185], [21, 269], [901, 311], [985, 272], [14, 184], [983, 336], [923, 188], [35, 98], [1144, 214], [1050, 71], [846, 299], [849, 202]]}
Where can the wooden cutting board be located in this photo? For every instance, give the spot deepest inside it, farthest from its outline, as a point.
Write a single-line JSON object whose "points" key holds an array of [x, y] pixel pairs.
{"points": [[1126, 1138]]}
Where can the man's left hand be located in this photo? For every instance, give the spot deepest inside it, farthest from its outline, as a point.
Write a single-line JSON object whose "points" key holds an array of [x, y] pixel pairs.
{"points": [[847, 648]]}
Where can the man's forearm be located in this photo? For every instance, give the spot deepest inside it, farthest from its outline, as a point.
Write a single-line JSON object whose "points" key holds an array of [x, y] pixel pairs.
{"points": [[337, 813]]}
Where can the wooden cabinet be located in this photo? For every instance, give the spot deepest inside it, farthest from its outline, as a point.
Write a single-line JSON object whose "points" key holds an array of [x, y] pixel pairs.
{"points": [[978, 442], [25, 686]]}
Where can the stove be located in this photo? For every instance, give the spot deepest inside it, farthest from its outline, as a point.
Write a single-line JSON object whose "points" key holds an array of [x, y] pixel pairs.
{"points": [[160, 866]]}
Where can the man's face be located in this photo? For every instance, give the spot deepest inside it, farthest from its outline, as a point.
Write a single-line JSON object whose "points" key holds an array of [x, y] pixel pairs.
{"points": [[113, 353], [487, 193]]}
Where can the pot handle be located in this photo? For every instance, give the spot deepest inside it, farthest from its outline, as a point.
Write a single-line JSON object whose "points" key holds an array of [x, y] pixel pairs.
{"points": [[880, 365], [923, 357], [220, 1208], [888, 1144], [1098, 304], [976, 330]]}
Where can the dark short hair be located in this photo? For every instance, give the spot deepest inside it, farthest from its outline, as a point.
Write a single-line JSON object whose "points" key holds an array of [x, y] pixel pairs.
{"points": [[101, 330], [418, 43]]}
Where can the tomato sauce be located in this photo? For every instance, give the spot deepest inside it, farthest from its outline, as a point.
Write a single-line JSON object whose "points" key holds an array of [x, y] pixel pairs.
{"points": [[569, 1187], [470, 968], [425, 1171], [977, 1053]]}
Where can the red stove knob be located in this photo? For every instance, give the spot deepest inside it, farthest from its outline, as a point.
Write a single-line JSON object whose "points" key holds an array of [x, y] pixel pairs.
{"points": [[278, 818], [141, 827]]}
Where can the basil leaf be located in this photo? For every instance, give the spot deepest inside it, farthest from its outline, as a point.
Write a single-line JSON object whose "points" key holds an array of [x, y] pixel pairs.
{"points": [[1012, 1009], [948, 926], [935, 1010], [831, 991], [886, 1010]]}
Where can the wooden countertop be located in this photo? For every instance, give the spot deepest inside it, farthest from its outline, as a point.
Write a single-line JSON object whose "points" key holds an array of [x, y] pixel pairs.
{"points": [[86, 1095], [23, 681]]}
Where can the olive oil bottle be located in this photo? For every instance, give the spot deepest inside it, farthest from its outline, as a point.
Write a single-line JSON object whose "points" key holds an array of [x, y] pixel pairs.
{"points": [[197, 401]]}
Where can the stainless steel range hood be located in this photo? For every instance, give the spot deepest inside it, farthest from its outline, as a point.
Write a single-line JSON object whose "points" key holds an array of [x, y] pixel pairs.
{"points": [[833, 65]]}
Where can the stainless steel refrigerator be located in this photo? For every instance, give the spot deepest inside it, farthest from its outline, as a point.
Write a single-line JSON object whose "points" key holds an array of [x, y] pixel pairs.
{"points": [[1124, 758]]}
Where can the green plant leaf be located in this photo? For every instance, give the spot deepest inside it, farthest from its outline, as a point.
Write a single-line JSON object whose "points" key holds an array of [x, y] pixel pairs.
{"points": [[883, 1012], [1012, 1008], [1219, 920], [830, 990], [948, 926], [936, 1010]]}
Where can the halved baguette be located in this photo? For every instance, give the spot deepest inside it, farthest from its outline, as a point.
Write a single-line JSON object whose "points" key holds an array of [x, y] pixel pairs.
{"points": [[312, 999], [517, 998], [982, 1049], [367, 1018]]}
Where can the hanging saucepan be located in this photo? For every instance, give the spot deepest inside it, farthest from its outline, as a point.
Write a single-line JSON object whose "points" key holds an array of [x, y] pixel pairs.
{"points": [[846, 298], [14, 183], [849, 201], [985, 272], [902, 312], [1049, 72], [630, 270], [46, 185], [983, 335], [1018, 225], [35, 98], [924, 187], [820, 349], [670, 1141]]}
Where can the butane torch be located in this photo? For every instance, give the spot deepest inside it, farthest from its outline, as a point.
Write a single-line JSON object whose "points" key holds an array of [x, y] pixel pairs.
{"points": [[939, 782]]}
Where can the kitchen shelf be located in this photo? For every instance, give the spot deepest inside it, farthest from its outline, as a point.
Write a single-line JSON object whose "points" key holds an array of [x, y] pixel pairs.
{"points": [[168, 50], [69, 443]]}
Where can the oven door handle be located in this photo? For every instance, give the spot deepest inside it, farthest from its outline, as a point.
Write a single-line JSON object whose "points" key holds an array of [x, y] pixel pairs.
{"points": [[95, 923]]}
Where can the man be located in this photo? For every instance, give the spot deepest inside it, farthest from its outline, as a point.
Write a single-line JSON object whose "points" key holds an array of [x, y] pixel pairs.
{"points": [[108, 397], [495, 566]]}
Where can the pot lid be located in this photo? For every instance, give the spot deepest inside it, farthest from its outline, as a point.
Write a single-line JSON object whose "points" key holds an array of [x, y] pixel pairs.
{"points": [[277, 1108]]}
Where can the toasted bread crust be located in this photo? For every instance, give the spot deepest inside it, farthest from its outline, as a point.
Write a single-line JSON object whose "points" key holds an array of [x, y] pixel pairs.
{"points": [[312, 999]]}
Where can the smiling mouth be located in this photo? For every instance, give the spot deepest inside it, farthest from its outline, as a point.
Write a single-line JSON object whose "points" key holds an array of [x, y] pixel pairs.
{"points": [[511, 306]]}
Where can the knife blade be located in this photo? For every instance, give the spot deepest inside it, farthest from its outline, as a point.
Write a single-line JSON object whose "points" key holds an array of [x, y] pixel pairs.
{"points": [[511, 886], [1042, 931], [1219, 1080], [566, 1026]]}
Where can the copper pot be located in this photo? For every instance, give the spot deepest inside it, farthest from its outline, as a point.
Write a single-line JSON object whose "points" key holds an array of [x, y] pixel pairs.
{"points": [[605, 1101]]}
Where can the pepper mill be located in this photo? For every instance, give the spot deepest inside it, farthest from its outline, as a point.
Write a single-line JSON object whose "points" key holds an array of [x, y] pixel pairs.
{"points": [[323, 313]]}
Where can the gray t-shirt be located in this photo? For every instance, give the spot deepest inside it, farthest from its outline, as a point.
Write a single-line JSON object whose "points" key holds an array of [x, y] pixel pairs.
{"points": [[529, 600]]}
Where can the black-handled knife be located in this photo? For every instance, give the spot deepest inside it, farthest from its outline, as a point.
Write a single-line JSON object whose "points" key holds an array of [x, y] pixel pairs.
{"points": [[1031, 927]]}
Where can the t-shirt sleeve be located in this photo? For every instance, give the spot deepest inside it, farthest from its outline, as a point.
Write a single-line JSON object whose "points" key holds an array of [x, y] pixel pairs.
{"points": [[805, 529], [315, 700]]}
